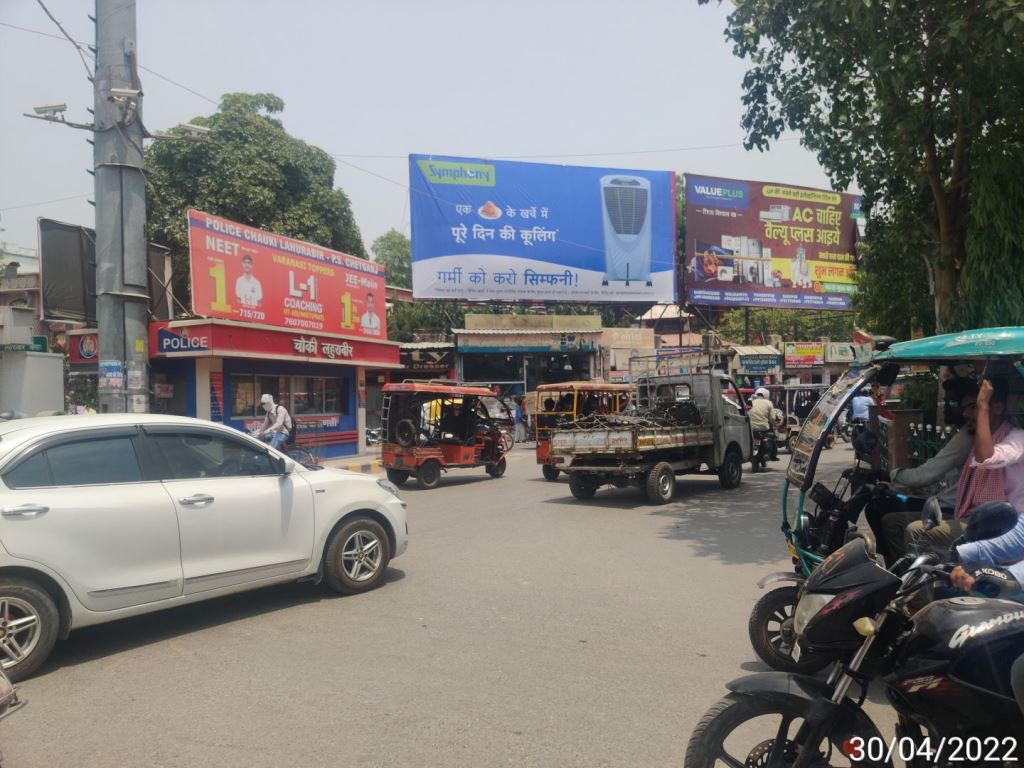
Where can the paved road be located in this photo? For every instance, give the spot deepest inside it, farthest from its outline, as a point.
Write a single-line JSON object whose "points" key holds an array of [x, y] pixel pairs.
{"points": [[522, 628]]}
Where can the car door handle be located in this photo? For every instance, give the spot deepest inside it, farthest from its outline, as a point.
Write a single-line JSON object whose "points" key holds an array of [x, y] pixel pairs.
{"points": [[199, 498], [25, 510]]}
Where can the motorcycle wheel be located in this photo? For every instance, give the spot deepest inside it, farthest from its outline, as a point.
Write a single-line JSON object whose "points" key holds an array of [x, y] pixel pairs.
{"points": [[708, 743], [771, 626]]}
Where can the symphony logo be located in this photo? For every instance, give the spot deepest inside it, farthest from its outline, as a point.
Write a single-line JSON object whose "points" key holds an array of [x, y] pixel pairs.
{"points": [[471, 174], [169, 341]]}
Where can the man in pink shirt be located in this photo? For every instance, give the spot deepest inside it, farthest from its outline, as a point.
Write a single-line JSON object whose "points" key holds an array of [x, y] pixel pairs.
{"points": [[994, 471]]}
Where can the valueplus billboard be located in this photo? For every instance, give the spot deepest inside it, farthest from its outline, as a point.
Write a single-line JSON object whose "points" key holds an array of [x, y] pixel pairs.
{"points": [[493, 230], [752, 243]]}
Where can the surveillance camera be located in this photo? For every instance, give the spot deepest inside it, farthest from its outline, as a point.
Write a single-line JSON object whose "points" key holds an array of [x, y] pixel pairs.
{"points": [[125, 93], [195, 130], [50, 109]]}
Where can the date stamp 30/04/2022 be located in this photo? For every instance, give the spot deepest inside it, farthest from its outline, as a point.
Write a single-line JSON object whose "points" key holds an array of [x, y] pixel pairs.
{"points": [[954, 749]]}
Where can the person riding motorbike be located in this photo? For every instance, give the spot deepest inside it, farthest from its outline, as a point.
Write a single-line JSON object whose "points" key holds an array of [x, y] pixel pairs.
{"points": [[937, 477], [762, 420]]}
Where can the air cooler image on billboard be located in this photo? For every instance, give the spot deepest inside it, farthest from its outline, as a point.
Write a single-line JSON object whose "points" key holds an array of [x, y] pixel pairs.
{"points": [[626, 209]]}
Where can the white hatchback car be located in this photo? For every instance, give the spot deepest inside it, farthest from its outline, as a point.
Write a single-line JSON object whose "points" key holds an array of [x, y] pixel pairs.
{"points": [[103, 517]]}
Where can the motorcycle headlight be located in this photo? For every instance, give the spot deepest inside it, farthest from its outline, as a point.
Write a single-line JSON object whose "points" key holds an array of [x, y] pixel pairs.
{"points": [[807, 609], [388, 486]]}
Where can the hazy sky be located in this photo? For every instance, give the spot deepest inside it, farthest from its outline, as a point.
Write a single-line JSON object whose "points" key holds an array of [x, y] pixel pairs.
{"points": [[608, 81]]}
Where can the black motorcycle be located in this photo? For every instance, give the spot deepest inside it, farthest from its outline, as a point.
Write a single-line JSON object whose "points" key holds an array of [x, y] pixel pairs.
{"points": [[763, 443], [946, 670]]}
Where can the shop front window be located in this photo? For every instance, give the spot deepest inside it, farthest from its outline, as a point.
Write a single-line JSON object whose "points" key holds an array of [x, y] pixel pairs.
{"points": [[243, 397]]}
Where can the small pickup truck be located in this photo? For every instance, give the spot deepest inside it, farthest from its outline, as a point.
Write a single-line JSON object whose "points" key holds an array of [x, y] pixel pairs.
{"points": [[680, 424]]}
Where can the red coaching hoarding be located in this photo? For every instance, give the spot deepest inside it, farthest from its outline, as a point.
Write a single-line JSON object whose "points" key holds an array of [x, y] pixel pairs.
{"points": [[248, 274]]}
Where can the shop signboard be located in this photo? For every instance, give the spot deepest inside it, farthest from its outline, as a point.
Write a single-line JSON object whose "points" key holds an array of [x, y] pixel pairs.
{"points": [[840, 352], [200, 339], [804, 354], [752, 243], [437, 360], [499, 230], [754, 364], [251, 275]]}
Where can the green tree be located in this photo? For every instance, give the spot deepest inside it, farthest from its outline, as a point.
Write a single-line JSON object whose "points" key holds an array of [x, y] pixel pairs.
{"points": [[248, 169], [394, 251], [790, 324], [911, 100]]}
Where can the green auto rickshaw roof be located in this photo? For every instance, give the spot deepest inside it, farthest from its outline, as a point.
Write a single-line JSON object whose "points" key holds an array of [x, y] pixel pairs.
{"points": [[978, 344]]}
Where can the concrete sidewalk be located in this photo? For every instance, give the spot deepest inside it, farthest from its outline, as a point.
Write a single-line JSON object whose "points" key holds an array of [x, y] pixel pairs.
{"points": [[368, 463]]}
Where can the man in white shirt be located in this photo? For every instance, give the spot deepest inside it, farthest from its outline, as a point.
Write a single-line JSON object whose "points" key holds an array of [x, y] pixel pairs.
{"points": [[370, 320], [247, 288]]}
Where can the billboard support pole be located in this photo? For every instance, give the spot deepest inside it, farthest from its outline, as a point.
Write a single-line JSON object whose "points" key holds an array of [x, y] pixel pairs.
{"points": [[746, 325], [122, 292]]}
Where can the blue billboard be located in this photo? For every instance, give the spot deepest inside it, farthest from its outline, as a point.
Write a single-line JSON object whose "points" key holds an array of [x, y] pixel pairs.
{"points": [[499, 230]]}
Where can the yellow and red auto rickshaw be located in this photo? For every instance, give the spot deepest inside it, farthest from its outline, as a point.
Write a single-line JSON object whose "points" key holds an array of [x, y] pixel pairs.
{"points": [[432, 427], [569, 401]]}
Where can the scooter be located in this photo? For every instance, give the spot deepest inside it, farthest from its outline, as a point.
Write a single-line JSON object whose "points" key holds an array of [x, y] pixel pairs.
{"points": [[945, 667]]}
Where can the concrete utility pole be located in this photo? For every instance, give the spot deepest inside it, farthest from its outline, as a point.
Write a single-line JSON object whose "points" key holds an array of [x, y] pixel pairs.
{"points": [[122, 294]]}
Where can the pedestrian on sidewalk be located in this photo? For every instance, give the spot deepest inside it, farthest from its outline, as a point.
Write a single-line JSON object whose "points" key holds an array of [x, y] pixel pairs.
{"points": [[517, 418]]}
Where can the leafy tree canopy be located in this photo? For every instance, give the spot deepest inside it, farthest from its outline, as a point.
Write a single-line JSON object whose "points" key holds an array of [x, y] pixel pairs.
{"points": [[912, 100], [248, 169], [394, 251], [790, 324]]}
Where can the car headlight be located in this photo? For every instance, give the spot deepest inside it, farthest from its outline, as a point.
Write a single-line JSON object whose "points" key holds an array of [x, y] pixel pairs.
{"points": [[807, 609], [388, 486]]}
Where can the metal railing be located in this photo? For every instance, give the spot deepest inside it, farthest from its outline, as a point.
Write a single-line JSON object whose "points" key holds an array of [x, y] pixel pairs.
{"points": [[926, 440]]}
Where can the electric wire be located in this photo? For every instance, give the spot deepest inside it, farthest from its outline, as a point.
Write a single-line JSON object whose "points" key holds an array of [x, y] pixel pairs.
{"points": [[71, 40]]}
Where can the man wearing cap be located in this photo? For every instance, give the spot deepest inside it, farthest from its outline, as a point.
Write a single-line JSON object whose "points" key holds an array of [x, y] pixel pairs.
{"points": [[247, 288], [939, 476], [277, 423]]}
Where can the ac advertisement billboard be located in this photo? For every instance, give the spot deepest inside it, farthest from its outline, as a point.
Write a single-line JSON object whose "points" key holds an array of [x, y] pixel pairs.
{"points": [[507, 231], [248, 274], [752, 243]]}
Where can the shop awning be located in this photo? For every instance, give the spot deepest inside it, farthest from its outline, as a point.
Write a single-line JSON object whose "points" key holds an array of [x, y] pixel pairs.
{"points": [[762, 349]]}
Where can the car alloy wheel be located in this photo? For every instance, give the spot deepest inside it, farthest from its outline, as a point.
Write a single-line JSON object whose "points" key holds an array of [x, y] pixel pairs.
{"points": [[20, 628], [361, 555]]}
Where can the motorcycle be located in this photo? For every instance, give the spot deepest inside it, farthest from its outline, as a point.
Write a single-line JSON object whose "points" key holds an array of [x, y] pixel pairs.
{"points": [[817, 528], [945, 667], [762, 450], [373, 436], [10, 702]]}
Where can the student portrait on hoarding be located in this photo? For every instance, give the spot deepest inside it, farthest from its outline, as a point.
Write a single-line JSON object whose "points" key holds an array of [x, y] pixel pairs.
{"points": [[370, 320], [247, 288]]}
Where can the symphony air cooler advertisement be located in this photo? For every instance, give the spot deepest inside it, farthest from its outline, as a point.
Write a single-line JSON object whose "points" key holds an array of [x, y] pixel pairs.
{"points": [[507, 231], [752, 243], [250, 275]]}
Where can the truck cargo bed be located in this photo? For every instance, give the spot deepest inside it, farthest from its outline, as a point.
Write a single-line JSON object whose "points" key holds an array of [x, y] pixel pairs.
{"points": [[611, 441]]}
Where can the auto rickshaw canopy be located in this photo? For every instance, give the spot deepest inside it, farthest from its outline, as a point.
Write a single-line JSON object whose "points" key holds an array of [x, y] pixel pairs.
{"points": [[582, 386], [452, 390], [980, 344]]}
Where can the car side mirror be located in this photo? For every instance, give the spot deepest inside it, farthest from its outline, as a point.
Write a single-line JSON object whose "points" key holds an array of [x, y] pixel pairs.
{"points": [[282, 466], [989, 520], [931, 514]]}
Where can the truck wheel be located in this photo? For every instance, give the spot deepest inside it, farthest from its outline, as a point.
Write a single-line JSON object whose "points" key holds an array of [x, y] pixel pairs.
{"points": [[397, 476], [661, 483], [429, 474], [731, 472], [550, 473], [583, 487]]}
